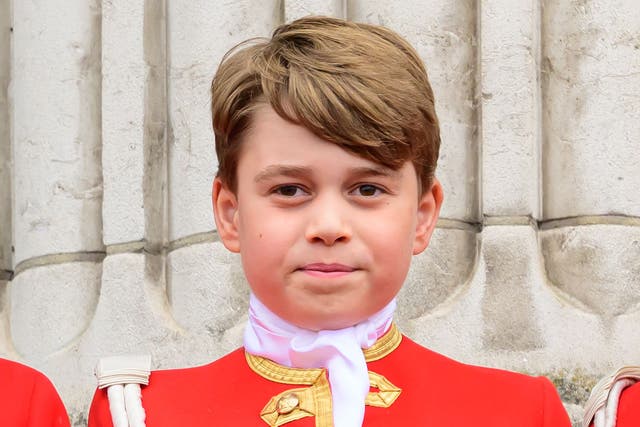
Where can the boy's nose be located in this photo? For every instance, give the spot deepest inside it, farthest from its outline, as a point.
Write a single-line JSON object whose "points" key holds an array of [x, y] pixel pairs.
{"points": [[328, 226]]}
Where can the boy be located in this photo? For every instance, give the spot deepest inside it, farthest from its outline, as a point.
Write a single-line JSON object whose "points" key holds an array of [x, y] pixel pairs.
{"points": [[327, 140], [28, 399]]}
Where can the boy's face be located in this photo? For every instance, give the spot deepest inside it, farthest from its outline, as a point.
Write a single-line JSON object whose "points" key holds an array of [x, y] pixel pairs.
{"points": [[325, 237]]}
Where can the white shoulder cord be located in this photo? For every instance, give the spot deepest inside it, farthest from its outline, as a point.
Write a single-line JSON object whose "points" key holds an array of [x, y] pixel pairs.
{"points": [[122, 376], [606, 416], [115, 393], [602, 406]]}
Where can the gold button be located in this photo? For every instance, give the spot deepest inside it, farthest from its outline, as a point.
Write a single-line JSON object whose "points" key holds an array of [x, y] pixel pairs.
{"points": [[287, 403]]}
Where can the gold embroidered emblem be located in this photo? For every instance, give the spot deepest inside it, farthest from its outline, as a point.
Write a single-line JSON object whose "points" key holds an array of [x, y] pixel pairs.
{"points": [[287, 403], [311, 401]]}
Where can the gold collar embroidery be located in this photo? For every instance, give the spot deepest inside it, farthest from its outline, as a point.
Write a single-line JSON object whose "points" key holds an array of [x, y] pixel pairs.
{"points": [[315, 399]]}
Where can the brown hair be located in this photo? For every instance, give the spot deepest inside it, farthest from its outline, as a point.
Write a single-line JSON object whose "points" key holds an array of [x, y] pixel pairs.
{"points": [[360, 86]]}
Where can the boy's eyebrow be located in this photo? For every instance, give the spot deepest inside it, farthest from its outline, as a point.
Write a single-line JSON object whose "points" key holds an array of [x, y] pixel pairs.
{"points": [[272, 171], [374, 171]]}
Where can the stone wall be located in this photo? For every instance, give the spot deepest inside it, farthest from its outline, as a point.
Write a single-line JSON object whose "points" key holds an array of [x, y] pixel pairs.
{"points": [[107, 243]]}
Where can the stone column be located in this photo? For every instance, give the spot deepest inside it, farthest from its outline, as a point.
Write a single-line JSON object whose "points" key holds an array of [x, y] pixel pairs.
{"points": [[57, 179], [6, 265], [591, 82], [133, 314], [509, 103]]}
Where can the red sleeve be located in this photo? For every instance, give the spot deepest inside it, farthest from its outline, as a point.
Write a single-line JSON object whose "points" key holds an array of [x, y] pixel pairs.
{"points": [[554, 413], [46, 407], [99, 414], [27, 398], [629, 407]]}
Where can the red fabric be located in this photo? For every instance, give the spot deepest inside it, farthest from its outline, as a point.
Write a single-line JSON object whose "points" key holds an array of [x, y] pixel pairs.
{"points": [[28, 399], [629, 407], [436, 391]]}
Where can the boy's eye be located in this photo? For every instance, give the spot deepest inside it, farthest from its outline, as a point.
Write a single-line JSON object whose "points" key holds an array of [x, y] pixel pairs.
{"points": [[368, 190], [289, 191]]}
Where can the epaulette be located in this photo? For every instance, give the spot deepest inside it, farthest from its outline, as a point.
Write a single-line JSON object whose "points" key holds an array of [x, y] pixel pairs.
{"points": [[123, 376], [602, 406]]}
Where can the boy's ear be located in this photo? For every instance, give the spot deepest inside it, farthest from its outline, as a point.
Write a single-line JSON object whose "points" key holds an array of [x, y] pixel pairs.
{"points": [[225, 212], [428, 212]]}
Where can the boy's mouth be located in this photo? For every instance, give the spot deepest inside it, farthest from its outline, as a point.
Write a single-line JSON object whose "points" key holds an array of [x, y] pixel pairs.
{"points": [[327, 270]]}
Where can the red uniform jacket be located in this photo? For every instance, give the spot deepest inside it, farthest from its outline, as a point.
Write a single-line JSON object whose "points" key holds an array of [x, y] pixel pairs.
{"points": [[629, 407], [411, 386], [28, 399]]}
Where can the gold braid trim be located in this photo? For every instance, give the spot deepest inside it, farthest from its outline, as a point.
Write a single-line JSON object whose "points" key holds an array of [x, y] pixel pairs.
{"points": [[282, 374], [387, 392], [385, 344]]}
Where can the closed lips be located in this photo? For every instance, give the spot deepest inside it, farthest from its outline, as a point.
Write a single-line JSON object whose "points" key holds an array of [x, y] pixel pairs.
{"points": [[328, 268]]}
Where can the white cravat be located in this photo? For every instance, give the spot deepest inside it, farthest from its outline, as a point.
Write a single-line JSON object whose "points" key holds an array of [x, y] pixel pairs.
{"points": [[339, 351]]}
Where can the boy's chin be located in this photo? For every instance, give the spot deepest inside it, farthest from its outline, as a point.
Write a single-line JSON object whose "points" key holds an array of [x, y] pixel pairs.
{"points": [[325, 324], [332, 311]]}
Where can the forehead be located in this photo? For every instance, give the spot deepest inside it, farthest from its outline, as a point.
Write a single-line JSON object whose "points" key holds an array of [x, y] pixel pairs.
{"points": [[275, 140]]}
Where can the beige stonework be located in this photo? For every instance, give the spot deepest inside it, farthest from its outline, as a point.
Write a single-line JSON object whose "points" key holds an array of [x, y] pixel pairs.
{"points": [[55, 128], [107, 241], [5, 147]]}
